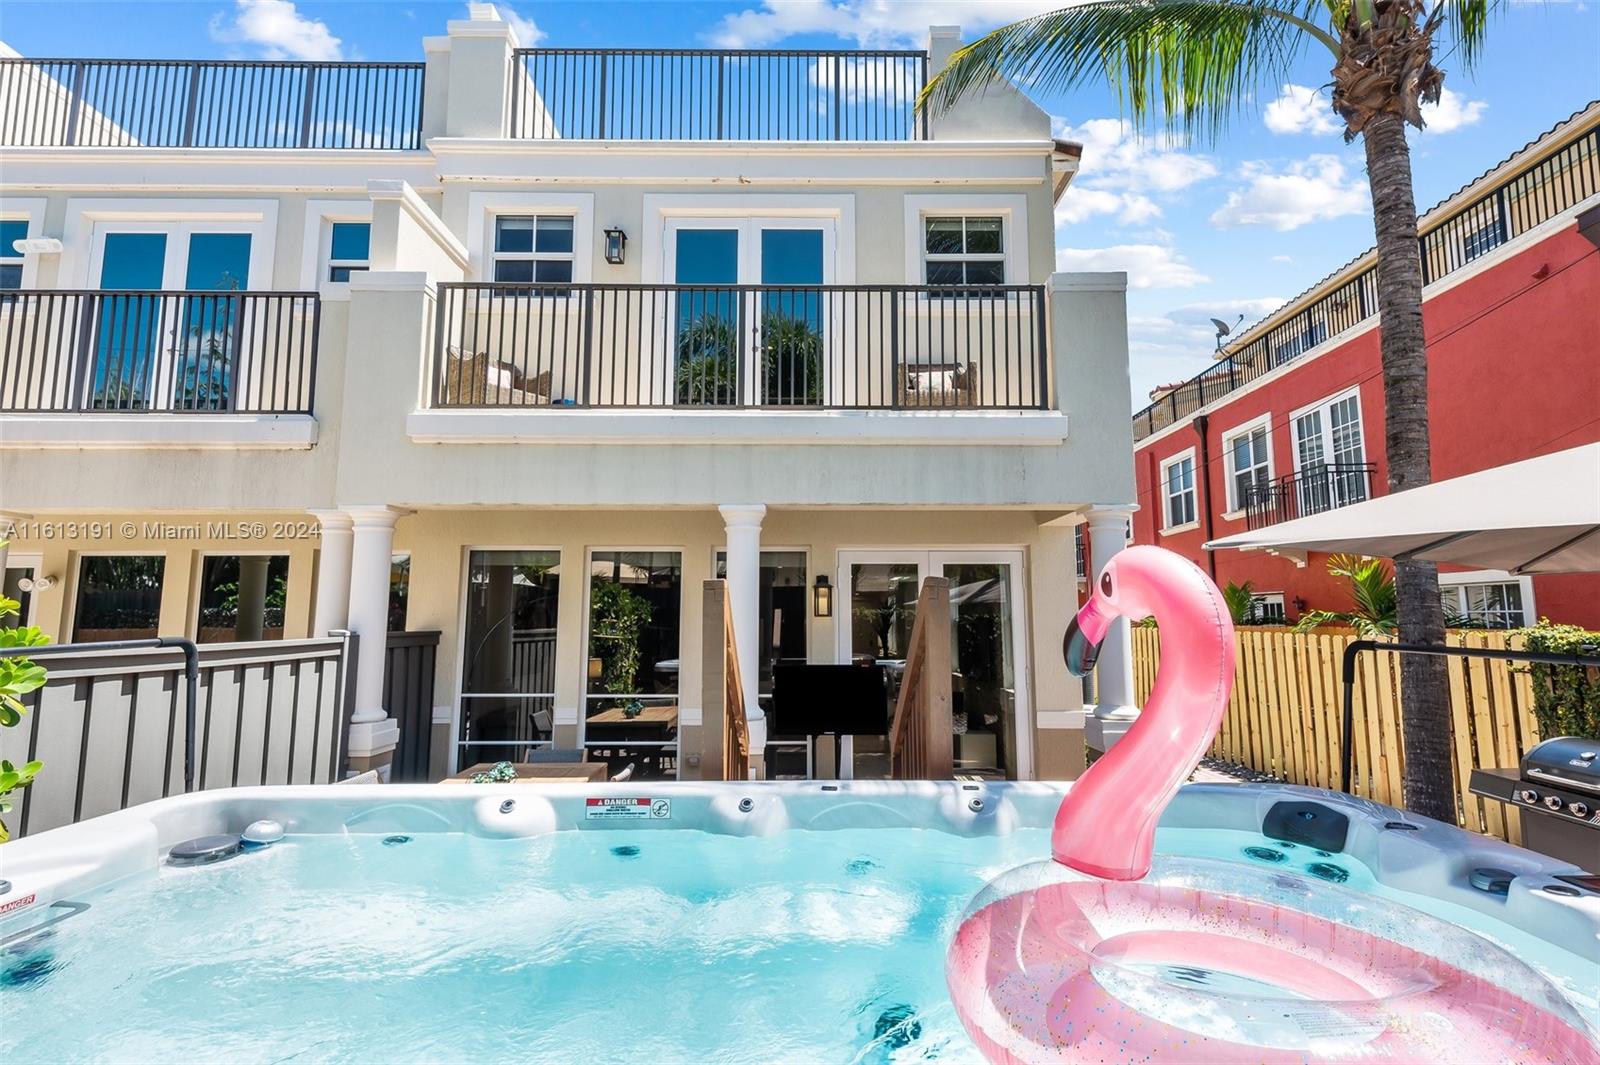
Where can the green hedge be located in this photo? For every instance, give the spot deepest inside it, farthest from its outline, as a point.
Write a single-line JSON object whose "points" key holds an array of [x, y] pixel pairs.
{"points": [[1566, 699]]}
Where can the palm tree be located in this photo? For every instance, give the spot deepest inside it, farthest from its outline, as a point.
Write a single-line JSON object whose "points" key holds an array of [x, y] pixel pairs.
{"points": [[1191, 64]]}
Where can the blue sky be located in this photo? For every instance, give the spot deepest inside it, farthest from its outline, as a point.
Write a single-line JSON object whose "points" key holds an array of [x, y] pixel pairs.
{"points": [[1204, 230]]}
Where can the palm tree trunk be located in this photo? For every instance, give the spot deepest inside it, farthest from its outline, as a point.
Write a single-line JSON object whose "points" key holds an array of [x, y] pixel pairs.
{"points": [[1425, 700]]}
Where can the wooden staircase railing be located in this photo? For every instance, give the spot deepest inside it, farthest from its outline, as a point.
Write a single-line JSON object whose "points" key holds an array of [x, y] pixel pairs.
{"points": [[920, 744], [726, 736]]}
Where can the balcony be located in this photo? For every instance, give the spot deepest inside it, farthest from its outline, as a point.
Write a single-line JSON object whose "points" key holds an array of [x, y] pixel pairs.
{"points": [[714, 95], [137, 352], [778, 348], [103, 103], [1318, 488]]}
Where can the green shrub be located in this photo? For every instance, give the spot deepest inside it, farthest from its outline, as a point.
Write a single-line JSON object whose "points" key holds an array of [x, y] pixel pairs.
{"points": [[1566, 699]]}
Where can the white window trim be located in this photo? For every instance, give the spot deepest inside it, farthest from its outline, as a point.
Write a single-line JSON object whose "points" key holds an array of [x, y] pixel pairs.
{"points": [[484, 207], [1235, 505], [1530, 610], [259, 217], [316, 246], [27, 560], [1013, 212], [30, 210], [1326, 402], [533, 255], [1194, 490], [73, 592], [659, 207]]}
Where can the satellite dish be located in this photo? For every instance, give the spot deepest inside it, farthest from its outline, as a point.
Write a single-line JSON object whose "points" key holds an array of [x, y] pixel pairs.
{"points": [[1223, 328]]}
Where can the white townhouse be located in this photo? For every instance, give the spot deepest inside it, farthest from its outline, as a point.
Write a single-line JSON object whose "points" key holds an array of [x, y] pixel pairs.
{"points": [[519, 346]]}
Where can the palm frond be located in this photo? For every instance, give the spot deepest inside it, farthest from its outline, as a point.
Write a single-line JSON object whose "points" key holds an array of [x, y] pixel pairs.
{"points": [[1467, 22], [1190, 63]]}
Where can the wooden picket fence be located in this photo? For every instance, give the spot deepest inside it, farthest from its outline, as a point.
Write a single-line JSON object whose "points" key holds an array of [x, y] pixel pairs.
{"points": [[1284, 715]]}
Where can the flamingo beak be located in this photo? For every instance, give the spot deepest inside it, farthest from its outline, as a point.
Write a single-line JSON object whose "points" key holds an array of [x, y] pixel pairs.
{"points": [[1085, 632]]}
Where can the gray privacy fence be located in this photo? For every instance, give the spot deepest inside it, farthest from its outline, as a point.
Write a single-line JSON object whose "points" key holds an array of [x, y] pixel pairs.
{"points": [[113, 723], [408, 674]]}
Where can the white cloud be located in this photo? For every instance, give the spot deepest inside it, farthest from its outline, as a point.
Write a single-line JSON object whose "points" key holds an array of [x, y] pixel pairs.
{"points": [[1307, 190], [528, 33], [1147, 265], [1302, 109], [1177, 345], [1121, 172], [1452, 112], [277, 29], [1282, 259], [870, 23]]}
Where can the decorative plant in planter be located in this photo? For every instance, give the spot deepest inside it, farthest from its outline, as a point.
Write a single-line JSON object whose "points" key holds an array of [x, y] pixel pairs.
{"points": [[18, 677], [617, 619]]}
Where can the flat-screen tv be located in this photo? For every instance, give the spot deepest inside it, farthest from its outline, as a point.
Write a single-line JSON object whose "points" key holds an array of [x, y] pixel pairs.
{"points": [[828, 701]]}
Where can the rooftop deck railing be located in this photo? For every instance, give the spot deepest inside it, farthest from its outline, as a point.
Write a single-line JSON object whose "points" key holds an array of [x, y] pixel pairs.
{"points": [[158, 103], [704, 94], [782, 347], [124, 352], [1506, 211], [1319, 487]]}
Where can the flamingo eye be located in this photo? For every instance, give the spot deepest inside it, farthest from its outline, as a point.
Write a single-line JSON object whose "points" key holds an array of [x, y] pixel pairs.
{"points": [[1105, 584]]}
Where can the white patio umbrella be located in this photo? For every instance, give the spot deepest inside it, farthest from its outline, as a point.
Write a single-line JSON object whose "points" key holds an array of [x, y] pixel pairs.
{"points": [[1541, 515]]}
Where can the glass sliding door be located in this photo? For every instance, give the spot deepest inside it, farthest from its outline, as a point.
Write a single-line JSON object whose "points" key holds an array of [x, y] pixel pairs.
{"points": [[508, 674], [990, 724], [129, 326], [783, 612], [632, 666]]}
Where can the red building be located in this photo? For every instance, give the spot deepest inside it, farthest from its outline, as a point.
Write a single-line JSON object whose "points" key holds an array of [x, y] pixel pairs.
{"points": [[1290, 420]]}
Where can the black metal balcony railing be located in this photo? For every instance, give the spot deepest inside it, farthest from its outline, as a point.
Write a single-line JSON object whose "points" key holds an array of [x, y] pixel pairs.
{"points": [[1510, 209], [1313, 490], [870, 347], [210, 104], [704, 94], [161, 352]]}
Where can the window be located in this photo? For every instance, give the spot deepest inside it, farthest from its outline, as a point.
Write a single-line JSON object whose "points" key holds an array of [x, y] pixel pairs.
{"points": [[1249, 467], [118, 598], [1080, 544], [349, 249], [533, 248], [1481, 240], [1178, 478], [964, 250], [508, 672], [11, 231], [399, 591], [1491, 604], [1330, 455], [241, 598], [631, 700], [11, 588], [1266, 608]]}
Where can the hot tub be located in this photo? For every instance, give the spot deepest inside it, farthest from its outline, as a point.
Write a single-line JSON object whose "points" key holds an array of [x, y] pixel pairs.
{"points": [[628, 922]]}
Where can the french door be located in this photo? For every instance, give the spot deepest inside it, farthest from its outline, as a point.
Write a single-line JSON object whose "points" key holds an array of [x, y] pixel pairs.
{"points": [[165, 352], [732, 346], [1330, 456], [991, 719]]}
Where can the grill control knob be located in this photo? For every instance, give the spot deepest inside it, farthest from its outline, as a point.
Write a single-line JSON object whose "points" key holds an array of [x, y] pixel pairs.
{"points": [[1578, 809], [1528, 795], [1553, 802]]}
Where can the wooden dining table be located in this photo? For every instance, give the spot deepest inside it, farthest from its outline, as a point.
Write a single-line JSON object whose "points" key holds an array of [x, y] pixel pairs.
{"points": [[616, 726], [541, 773]]}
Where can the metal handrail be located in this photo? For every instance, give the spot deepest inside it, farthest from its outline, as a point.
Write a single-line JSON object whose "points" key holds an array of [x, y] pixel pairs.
{"points": [[1318, 488], [1347, 751]]}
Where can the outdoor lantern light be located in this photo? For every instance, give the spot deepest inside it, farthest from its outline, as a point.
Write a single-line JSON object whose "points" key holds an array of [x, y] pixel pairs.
{"points": [[597, 668], [822, 598], [616, 245]]}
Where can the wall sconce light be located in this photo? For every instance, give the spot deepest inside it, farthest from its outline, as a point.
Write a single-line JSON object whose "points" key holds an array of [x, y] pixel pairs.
{"points": [[37, 584], [616, 246], [822, 598], [597, 669], [1300, 605]]}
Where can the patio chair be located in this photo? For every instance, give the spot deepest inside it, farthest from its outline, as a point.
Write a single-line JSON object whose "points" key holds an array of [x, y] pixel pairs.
{"points": [[477, 380], [939, 384]]}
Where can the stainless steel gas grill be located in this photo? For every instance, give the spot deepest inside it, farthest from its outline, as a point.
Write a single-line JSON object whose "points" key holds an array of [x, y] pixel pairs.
{"points": [[1558, 790]]}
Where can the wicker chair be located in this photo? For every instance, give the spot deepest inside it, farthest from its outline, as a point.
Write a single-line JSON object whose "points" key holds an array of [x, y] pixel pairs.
{"points": [[476, 380], [939, 384]]}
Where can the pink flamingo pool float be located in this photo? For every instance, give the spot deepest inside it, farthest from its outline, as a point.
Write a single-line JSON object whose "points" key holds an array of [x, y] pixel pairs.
{"points": [[1082, 959]]}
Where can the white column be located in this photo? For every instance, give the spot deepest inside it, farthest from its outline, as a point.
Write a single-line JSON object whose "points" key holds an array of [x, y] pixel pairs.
{"points": [[744, 598], [372, 732], [1108, 534], [333, 573], [251, 602]]}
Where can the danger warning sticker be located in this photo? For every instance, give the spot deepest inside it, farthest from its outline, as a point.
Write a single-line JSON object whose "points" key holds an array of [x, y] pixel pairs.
{"points": [[17, 904], [635, 809]]}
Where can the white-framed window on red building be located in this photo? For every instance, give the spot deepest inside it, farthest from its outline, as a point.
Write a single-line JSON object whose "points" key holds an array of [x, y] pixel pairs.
{"points": [[1249, 457], [1178, 494], [1330, 454]]}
